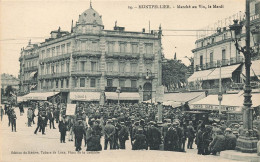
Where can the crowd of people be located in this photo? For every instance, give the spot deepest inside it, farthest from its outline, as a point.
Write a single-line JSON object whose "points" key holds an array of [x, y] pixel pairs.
{"points": [[135, 122]]}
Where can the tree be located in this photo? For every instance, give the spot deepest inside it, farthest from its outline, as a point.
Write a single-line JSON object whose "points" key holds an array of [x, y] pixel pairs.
{"points": [[174, 74], [9, 91]]}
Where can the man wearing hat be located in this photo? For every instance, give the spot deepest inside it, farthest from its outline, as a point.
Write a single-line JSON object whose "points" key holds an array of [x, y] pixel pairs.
{"points": [[190, 135], [117, 127], [79, 132], [62, 129], [171, 138], [29, 116], [122, 135], [13, 120], [153, 137], [2, 112], [139, 142], [231, 139], [109, 132], [218, 143]]}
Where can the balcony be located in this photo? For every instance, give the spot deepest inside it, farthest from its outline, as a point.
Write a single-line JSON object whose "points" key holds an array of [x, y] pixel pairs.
{"points": [[123, 89], [122, 74], [123, 55], [56, 58], [148, 56], [225, 62], [30, 56], [86, 73], [212, 64], [86, 53], [54, 75], [33, 68]]}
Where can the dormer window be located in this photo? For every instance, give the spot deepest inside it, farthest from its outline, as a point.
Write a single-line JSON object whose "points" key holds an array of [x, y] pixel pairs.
{"points": [[94, 14], [85, 14]]}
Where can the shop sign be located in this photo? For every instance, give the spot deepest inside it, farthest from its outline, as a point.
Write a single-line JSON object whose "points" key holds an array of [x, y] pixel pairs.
{"points": [[214, 107]]}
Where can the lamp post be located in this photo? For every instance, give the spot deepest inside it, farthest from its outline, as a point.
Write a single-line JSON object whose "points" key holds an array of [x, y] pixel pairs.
{"points": [[150, 78], [118, 90], [246, 141]]}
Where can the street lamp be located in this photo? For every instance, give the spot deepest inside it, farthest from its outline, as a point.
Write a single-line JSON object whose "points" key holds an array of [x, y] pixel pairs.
{"points": [[220, 97], [118, 90], [246, 141], [149, 77]]}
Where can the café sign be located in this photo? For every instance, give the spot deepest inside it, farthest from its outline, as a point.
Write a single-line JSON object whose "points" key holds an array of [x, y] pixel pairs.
{"points": [[215, 107]]}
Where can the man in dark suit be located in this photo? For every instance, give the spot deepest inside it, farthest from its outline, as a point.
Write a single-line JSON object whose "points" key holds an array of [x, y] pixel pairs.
{"points": [[109, 132], [51, 118], [231, 139], [190, 135], [154, 137], [218, 143], [139, 142], [171, 138], [79, 131], [123, 135], [62, 130], [13, 120]]}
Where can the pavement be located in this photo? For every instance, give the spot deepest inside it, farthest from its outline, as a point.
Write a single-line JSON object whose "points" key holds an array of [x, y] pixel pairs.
{"points": [[25, 146]]}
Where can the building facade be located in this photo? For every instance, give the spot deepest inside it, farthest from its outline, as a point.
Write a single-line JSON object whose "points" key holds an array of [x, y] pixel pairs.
{"points": [[29, 60], [91, 60], [217, 50]]}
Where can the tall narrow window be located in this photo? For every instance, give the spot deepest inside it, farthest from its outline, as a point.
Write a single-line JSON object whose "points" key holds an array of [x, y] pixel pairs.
{"points": [[63, 49], [67, 83], [110, 66], [201, 60], [110, 47], [133, 83], [92, 82], [75, 82], [57, 84], [149, 48], [82, 82], [93, 66], [110, 82], [133, 67], [211, 57], [122, 47], [121, 83], [121, 67], [67, 67], [82, 64], [134, 48], [68, 48], [223, 54], [61, 83]]}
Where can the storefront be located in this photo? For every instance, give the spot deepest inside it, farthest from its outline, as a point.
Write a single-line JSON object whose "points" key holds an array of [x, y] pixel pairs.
{"points": [[84, 97], [126, 97], [37, 96]]}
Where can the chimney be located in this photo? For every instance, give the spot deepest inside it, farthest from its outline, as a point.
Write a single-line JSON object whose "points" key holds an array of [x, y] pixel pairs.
{"points": [[143, 30]]}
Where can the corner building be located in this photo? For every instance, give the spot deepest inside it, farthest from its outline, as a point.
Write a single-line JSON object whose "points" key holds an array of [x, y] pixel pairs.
{"points": [[89, 63]]}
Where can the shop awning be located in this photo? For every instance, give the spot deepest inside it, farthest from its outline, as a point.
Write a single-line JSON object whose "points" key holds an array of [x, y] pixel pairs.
{"points": [[122, 96], [200, 75], [226, 72], [32, 74], [38, 96], [85, 96], [230, 102], [184, 97], [172, 103]]}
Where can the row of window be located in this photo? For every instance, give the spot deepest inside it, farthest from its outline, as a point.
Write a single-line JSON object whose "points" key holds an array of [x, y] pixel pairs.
{"points": [[121, 83], [82, 66], [31, 63], [52, 68], [212, 40], [82, 82], [56, 51], [133, 49], [211, 57], [51, 84]]}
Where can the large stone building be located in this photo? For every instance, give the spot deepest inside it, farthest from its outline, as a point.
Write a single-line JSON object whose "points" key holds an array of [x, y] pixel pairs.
{"points": [[28, 68], [89, 63], [217, 49]]}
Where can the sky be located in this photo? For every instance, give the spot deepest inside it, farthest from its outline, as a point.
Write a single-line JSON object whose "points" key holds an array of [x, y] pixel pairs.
{"points": [[22, 20]]}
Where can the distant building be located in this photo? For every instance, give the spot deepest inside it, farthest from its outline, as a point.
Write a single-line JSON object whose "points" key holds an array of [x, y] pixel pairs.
{"points": [[29, 60], [217, 49], [9, 80], [88, 62]]}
